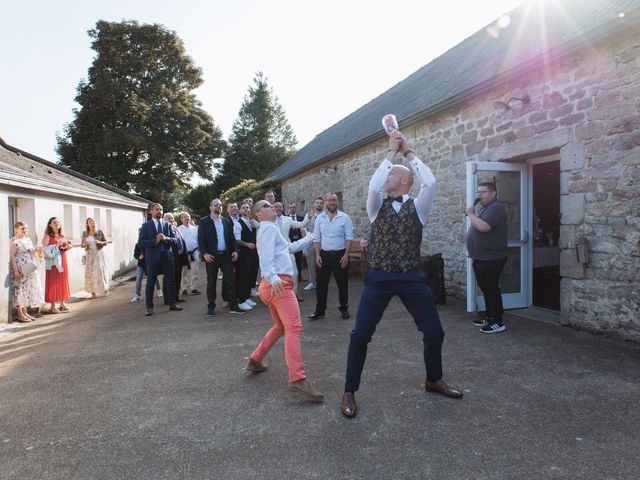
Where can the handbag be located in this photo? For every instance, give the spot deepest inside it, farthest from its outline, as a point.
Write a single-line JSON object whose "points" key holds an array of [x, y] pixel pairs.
{"points": [[28, 268]]}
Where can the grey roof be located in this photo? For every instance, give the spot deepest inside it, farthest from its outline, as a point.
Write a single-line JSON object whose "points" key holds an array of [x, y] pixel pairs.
{"points": [[471, 67], [24, 170]]}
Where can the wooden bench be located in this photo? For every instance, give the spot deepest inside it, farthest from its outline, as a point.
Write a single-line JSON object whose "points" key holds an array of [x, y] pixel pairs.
{"points": [[357, 258]]}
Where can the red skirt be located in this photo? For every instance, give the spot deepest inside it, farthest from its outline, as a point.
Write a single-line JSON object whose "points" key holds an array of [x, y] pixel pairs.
{"points": [[57, 283]]}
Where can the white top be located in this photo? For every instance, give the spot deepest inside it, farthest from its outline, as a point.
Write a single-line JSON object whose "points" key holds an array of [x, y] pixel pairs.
{"points": [[287, 223], [424, 200], [190, 235], [274, 250], [237, 227]]}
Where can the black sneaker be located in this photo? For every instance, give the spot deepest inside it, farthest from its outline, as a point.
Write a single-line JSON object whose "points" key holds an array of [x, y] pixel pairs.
{"points": [[236, 310], [481, 322], [211, 312], [493, 328]]}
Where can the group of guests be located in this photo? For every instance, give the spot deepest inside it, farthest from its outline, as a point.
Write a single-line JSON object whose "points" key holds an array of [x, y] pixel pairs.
{"points": [[25, 259]]}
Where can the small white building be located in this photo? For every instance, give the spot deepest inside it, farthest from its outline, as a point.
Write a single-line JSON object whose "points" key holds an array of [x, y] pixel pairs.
{"points": [[33, 189]]}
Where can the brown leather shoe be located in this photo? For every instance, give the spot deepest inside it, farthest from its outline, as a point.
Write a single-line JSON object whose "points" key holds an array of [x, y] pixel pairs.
{"points": [[442, 388], [149, 312], [348, 405], [256, 367], [303, 390]]}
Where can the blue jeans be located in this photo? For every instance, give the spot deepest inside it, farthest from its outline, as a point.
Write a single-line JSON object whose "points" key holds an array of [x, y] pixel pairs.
{"points": [[139, 275], [379, 288]]}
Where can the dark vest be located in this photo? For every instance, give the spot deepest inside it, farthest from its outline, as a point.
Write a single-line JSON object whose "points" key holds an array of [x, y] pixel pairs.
{"points": [[396, 238], [247, 236]]}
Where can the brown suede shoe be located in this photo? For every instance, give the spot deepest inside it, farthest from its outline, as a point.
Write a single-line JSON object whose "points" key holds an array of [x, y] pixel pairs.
{"points": [[256, 367], [442, 388], [303, 390], [348, 405]]}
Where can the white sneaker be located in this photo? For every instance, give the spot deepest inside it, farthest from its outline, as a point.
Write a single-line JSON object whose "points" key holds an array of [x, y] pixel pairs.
{"points": [[159, 293], [254, 293], [136, 298], [250, 302], [244, 306], [311, 286]]}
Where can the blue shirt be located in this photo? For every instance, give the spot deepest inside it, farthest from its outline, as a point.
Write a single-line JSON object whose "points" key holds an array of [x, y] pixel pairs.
{"points": [[332, 234], [222, 246]]}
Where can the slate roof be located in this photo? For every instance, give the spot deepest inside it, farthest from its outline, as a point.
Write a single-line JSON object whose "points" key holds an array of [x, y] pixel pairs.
{"points": [[471, 67], [22, 169]]}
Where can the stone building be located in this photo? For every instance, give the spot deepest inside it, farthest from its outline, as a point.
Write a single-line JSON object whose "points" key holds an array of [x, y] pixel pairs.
{"points": [[546, 102], [33, 189]]}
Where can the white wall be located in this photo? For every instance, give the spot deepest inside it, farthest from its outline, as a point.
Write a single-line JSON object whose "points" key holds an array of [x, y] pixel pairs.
{"points": [[35, 210]]}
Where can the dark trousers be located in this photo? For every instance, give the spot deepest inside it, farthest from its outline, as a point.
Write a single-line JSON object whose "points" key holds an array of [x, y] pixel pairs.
{"points": [[331, 264], [379, 288], [246, 272], [164, 266], [221, 261], [177, 280], [488, 277], [298, 256], [225, 292]]}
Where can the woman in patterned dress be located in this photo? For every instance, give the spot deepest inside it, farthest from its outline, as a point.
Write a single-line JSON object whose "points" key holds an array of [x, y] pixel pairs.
{"points": [[95, 265], [26, 290], [57, 282]]}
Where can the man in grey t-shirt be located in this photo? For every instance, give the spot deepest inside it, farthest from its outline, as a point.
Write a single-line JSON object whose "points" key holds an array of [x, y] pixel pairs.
{"points": [[487, 247]]}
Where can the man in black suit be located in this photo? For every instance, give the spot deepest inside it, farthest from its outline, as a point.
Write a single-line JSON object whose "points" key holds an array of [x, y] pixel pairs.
{"points": [[157, 238], [294, 235], [219, 249]]}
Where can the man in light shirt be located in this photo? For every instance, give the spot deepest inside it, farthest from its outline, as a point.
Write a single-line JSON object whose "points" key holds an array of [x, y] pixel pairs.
{"points": [[310, 252], [190, 275], [333, 233], [276, 291], [394, 268], [247, 266]]}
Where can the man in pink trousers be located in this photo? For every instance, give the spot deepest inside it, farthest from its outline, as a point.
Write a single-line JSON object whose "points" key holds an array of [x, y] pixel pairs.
{"points": [[276, 291]]}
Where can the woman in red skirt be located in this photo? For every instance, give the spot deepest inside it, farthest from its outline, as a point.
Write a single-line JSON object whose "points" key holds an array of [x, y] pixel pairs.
{"points": [[57, 279]]}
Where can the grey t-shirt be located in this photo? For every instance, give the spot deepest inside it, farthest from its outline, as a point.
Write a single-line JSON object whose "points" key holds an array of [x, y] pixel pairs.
{"points": [[490, 245]]}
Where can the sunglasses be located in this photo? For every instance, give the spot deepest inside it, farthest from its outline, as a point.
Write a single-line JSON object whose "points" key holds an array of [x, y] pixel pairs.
{"points": [[216, 205], [266, 205]]}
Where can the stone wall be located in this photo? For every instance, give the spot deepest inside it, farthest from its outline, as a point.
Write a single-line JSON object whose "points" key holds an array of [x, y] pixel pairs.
{"points": [[587, 108]]}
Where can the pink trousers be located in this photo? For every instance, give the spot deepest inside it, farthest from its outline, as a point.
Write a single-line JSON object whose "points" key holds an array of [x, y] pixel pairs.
{"points": [[286, 318]]}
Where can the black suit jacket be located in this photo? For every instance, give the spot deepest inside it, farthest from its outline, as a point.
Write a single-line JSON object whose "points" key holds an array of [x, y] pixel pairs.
{"points": [[295, 233], [208, 237]]}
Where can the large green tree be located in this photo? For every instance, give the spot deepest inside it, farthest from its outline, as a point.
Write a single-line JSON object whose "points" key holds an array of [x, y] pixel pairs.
{"points": [[138, 125], [261, 138]]}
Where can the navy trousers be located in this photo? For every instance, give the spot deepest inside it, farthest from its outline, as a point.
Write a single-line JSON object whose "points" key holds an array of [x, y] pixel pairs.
{"points": [[379, 288], [164, 266]]}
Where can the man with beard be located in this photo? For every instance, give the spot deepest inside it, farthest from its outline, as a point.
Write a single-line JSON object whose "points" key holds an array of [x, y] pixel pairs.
{"points": [[333, 232], [310, 252], [219, 249]]}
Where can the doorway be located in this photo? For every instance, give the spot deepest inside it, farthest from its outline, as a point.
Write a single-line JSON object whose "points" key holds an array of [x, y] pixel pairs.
{"points": [[545, 233]]}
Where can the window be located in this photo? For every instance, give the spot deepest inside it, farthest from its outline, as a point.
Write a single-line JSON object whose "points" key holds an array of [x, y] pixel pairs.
{"points": [[96, 217], [67, 222], [13, 215], [107, 231]]}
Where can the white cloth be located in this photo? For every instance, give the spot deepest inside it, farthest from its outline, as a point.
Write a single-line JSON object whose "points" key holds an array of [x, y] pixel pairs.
{"points": [[237, 227], [287, 223], [275, 251], [424, 200], [190, 235], [52, 258]]}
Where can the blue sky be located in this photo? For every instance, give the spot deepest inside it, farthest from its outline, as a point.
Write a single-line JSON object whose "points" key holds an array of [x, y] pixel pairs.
{"points": [[324, 59]]}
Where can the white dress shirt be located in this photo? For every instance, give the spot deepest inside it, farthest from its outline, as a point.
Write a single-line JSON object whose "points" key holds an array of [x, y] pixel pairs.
{"points": [[237, 227], [274, 251], [190, 235], [424, 200], [287, 223]]}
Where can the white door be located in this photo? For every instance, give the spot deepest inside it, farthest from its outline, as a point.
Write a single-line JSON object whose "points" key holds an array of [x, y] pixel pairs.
{"points": [[511, 183]]}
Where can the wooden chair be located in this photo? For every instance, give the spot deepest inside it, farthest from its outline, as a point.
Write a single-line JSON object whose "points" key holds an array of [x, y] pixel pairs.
{"points": [[357, 258]]}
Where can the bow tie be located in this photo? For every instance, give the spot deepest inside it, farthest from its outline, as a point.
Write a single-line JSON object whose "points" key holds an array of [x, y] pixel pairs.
{"points": [[399, 198]]}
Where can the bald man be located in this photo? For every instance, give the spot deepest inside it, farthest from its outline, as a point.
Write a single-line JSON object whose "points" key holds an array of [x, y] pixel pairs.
{"points": [[394, 261]]}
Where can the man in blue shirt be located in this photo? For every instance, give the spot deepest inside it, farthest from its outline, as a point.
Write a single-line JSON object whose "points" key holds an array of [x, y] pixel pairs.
{"points": [[333, 233]]}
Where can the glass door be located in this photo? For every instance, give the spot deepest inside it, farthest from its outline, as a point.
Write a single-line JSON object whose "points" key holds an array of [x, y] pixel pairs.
{"points": [[511, 183]]}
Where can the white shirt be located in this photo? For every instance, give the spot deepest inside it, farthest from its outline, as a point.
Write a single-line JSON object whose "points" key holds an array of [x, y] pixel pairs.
{"points": [[190, 235], [424, 200], [274, 251], [287, 223], [237, 227]]}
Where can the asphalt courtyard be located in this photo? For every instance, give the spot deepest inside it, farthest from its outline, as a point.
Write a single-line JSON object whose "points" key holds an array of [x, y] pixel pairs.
{"points": [[105, 393]]}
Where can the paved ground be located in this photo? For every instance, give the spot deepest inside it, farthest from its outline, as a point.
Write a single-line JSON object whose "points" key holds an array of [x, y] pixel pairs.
{"points": [[104, 393]]}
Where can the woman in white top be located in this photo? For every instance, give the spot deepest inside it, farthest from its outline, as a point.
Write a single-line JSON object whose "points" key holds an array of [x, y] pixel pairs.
{"points": [[277, 292], [96, 281], [26, 290]]}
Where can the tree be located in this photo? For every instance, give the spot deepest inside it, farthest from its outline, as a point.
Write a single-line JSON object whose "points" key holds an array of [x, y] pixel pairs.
{"points": [[139, 127], [261, 138]]}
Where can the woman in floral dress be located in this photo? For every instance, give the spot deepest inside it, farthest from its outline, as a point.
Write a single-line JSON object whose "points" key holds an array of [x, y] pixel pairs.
{"points": [[26, 290], [95, 266], [57, 279]]}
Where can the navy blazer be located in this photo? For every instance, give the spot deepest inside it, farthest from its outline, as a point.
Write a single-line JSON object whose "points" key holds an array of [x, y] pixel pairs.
{"points": [[208, 237], [147, 240]]}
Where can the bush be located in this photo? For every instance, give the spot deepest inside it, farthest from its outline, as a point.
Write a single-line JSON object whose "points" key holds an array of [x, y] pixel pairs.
{"points": [[249, 188]]}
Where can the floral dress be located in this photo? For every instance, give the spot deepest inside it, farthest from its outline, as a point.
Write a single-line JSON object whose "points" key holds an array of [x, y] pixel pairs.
{"points": [[95, 268], [26, 291]]}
